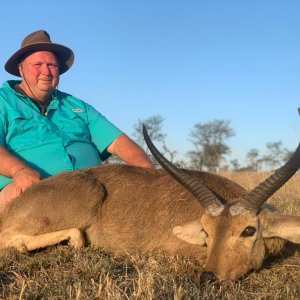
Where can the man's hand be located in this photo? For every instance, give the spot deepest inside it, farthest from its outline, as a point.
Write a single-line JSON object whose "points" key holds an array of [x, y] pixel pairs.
{"points": [[24, 178]]}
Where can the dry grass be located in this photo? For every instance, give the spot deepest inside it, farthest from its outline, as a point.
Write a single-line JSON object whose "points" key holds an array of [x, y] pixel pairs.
{"points": [[61, 273]]}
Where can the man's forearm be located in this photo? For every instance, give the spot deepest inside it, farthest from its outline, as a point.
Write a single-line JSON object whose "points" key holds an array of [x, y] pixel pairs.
{"points": [[10, 165], [130, 152]]}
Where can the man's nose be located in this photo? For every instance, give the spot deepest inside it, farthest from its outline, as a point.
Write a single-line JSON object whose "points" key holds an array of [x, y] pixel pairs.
{"points": [[45, 69]]}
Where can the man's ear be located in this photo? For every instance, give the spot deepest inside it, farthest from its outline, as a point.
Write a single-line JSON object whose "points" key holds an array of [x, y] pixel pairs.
{"points": [[20, 67], [281, 226], [191, 233]]}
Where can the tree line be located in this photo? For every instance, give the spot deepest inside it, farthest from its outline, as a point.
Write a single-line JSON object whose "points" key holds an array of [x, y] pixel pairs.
{"points": [[210, 147]]}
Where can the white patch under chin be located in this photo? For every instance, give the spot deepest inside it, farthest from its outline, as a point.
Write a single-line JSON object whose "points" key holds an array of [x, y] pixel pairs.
{"points": [[237, 209]]}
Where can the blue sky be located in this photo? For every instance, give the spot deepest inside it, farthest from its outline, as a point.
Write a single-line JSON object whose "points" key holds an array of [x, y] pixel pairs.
{"points": [[188, 61]]}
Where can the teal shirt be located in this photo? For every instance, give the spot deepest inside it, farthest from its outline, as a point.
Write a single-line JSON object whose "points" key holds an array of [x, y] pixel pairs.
{"points": [[71, 135]]}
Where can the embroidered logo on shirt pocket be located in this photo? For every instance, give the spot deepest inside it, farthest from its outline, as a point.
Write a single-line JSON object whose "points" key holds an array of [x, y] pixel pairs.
{"points": [[73, 126], [77, 110]]}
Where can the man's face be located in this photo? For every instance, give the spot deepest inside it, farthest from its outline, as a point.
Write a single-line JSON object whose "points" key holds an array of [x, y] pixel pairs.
{"points": [[40, 70]]}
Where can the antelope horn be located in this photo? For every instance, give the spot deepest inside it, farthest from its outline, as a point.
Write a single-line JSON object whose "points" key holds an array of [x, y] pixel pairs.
{"points": [[205, 196], [259, 195]]}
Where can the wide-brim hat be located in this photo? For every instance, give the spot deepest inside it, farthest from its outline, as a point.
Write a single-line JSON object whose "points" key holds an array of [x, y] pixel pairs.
{"points": [[40, 41]]}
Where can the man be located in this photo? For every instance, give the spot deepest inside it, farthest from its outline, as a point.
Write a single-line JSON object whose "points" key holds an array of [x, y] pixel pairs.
{"points": [[44, 131]]}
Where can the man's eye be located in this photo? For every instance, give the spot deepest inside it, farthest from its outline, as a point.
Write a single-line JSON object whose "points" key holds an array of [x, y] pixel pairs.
{"points": [[53, 66]]}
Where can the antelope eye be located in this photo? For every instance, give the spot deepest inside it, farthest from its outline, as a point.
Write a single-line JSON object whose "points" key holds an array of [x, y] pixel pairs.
{"points": [[248, 231]]}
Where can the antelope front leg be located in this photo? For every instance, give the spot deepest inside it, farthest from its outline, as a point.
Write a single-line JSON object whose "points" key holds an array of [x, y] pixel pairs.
{"points": [[24, 243]]}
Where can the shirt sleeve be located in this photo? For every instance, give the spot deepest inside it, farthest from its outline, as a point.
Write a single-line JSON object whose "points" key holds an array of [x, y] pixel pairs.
{"points": [[2, 127], [102, 131]]}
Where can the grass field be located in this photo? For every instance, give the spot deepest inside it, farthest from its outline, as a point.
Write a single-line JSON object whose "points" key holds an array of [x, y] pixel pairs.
{"points": [[62, 273]]}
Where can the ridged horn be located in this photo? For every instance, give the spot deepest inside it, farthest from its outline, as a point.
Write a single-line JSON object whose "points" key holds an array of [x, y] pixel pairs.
{"points": [[205, 196], [259, 195]]}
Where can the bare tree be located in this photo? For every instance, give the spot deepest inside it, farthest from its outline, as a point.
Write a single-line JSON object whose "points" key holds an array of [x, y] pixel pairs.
{"points": [[209, 142], [287, 155], [253, 158], [274, 156], [154, 126], [169, 152], [235, 165], [196, 161]]}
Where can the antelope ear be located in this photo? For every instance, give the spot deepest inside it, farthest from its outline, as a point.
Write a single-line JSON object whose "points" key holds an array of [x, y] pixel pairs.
{"points": [[191, 233], [281, 226]]}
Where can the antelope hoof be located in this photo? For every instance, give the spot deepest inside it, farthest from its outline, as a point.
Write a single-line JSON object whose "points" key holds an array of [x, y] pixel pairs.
{"points": [[76, 239], [207, 277]]}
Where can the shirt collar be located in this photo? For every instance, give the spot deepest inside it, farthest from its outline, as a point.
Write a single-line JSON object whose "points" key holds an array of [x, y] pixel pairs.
{"points": [[11, 83]]}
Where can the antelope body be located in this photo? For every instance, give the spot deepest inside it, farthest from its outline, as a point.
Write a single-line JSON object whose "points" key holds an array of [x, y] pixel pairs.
{"points": [[129, 209]]}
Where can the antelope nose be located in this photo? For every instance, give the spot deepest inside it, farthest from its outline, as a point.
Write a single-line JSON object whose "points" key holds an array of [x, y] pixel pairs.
{"points": [[207, 277]]}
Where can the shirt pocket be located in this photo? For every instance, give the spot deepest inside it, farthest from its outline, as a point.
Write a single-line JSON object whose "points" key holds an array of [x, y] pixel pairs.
{"points": [[21, 128], [20, 120], [73, 126]]}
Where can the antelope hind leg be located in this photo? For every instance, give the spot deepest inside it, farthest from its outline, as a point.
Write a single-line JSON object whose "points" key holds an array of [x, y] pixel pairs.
{"points": [[24, 243]]}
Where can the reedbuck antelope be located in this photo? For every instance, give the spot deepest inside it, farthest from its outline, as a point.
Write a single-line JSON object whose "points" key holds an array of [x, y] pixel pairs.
{"points": [[129, 209]]}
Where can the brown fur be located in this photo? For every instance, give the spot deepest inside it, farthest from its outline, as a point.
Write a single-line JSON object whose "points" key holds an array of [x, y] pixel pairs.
{"points": [[128, 209]]}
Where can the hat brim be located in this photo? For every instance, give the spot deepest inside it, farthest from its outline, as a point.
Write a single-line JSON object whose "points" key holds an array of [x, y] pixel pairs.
{"points": [[64, 55]]}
